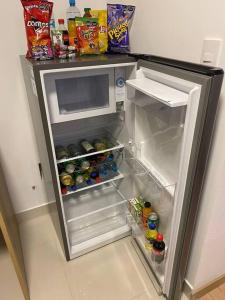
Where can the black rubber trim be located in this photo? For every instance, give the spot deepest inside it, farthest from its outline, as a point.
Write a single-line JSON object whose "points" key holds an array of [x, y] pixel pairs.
{"points": [[187, 66]]}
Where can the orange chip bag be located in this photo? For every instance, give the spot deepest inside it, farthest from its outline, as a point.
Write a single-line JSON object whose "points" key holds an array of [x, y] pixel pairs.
{"points": [[87, 34]]}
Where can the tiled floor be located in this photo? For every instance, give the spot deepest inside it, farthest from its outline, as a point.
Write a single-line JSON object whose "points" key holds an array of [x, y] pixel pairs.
{"points": [[113, 272]]}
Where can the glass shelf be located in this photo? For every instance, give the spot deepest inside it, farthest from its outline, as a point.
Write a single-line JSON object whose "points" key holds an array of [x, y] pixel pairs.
{"points": [[118, 176], [117, 146]]}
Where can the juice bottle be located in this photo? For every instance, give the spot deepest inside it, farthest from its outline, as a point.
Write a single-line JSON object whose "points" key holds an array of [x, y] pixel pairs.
{"points": [[87, 13], [151, 233], [147, 210]]}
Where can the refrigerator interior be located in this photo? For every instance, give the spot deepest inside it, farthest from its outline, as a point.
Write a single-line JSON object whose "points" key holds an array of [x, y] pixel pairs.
{"points": [[146, 137]]}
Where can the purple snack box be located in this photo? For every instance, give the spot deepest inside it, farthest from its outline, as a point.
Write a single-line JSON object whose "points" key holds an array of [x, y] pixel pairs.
{"points": [[119, 20]]}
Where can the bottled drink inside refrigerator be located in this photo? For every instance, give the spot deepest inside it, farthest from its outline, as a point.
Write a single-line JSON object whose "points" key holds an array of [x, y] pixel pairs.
{"points": [[158, 250], [87, 146]]}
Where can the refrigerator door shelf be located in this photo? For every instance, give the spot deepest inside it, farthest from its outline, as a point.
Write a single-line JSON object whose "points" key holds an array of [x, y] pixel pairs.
{"points": [[155, 91], [140, 166]]}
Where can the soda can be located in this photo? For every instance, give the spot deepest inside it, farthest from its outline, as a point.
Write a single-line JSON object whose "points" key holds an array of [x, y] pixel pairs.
{"points": [[85, 165], [61, 152], [153, 219], [79, 179], [66, 179], [70, 168], [73, 150]]}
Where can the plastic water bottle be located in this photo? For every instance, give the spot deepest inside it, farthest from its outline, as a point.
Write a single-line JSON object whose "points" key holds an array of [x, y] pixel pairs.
{"points": [[72, 11]]}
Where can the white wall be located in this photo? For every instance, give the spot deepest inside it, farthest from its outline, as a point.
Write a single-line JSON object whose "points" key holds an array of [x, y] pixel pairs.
{"points": [[176, 29]]}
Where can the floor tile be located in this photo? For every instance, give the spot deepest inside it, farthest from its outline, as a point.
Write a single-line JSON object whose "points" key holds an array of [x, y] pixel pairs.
{"points": [[108, 273], [9, 285]]}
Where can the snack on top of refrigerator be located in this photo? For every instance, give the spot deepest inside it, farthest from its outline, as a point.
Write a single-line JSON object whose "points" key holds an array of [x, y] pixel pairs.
{"points": [[102, 27], [37, 15], [87, 34], [119, 21]]}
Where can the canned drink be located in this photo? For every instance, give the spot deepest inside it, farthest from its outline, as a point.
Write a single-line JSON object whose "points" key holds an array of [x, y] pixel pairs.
{"points": [[85, 165], [66, 179], [61, 152], [153, 219], [70, 168], [99, 145], [79, 179], [73, 150]]}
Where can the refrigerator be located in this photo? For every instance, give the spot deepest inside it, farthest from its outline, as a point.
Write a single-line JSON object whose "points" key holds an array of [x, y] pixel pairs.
{"points": [[156, 116]]}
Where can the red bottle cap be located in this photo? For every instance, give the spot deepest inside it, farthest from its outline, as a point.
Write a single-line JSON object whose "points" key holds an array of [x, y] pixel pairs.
{"points": [[61, 21], [64, 191], [159, 237], [98, 180]]}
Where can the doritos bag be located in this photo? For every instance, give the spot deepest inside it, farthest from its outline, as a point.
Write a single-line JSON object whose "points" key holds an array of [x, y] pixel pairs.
{"points": [[37, 15]]}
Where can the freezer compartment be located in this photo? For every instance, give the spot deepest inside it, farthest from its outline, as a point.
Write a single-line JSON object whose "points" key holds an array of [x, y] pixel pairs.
{"points": [[95, 218]]}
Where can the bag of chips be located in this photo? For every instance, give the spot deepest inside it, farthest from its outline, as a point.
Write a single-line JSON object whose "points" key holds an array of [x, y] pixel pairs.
{"points": [[119, 21], [37, 15], [87, 34], [102, 27]]}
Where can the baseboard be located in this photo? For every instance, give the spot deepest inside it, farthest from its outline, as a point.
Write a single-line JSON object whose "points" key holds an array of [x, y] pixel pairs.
{"points": [[35, 212], [195, 294]]}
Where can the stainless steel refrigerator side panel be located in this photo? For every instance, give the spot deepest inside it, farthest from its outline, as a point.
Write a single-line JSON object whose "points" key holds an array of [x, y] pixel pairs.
{"points": [[198, 182], [38, 112], [197, 166]]}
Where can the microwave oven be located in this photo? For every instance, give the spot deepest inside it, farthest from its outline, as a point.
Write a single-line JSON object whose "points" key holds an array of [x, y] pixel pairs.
{"points": [[79, 93]]}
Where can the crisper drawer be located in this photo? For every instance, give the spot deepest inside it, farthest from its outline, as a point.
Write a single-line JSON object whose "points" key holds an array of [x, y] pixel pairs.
{"points": [[95, 213], [78, 93]]}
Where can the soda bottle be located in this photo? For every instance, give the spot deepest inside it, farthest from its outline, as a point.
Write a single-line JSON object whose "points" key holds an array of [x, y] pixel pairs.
{"points": [[103, 171], [99, 145], [87, 146], [73, 151], [61, 152], [70, 168], [64, 31], [85, 165], [147, 210], [158, 249], [66, 179], [151, 233], [72, 11], [79, 179]]}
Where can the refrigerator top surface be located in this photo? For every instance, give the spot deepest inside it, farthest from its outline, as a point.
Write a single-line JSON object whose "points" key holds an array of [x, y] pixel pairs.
{"points": [[184, 65], [80, 61]]}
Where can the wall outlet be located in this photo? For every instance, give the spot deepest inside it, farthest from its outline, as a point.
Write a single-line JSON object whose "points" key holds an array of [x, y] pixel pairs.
{"points": [[211, 52]]}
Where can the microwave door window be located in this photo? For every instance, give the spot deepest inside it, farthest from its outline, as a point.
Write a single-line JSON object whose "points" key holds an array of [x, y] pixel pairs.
{"points": [[82, 94]]}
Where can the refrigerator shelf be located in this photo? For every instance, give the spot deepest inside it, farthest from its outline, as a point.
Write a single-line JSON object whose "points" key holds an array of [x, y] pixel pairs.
{"points": [[85, 205], [118, 146], [103, 239], [157, 91], [115, 178]]}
